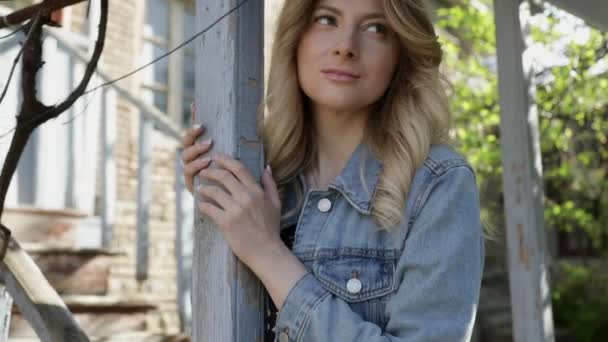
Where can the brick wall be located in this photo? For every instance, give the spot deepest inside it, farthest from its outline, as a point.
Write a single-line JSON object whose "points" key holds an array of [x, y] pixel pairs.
{"points": [[123, 41]]}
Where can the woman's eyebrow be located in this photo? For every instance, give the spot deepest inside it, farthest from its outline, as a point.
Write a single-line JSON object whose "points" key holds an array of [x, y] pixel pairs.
{"points": [[372, 15]]}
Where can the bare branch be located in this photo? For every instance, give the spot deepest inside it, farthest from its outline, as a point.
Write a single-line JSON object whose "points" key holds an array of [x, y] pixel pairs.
{"points": [[10, 75], [33, 113], [91, 67]]}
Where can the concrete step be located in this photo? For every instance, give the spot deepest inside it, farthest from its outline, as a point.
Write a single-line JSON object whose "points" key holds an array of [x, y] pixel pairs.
{"points": [[100, 316], [54, 228], [74, 271]]}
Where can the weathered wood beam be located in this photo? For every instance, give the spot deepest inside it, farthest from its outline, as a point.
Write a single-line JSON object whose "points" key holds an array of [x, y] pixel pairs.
{"points": [[21, 15], [593, 12], [184, 222], [227, 296], [37, 300], [108, 166], [144, 197], [6, 306], [528, 257]]}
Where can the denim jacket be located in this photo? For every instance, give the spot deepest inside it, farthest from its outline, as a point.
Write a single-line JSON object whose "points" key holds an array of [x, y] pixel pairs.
{"points": [[418, 282]]}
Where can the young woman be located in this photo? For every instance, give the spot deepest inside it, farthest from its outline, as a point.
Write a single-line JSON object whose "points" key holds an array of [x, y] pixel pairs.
{"points": [[366, 225]]}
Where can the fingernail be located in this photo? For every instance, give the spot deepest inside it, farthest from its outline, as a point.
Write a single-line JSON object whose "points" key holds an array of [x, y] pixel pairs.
{"points": [[196, 126], [269, 169], [205, 160], [207, 141]]}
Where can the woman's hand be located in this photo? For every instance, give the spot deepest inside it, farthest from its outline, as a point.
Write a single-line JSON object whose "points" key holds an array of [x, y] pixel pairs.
{"points": [[190, 156], [247, 214]]}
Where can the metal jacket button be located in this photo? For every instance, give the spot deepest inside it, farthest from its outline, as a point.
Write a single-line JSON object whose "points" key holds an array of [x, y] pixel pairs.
{"points": [[283, 337], [353, 285], [324, 205]]}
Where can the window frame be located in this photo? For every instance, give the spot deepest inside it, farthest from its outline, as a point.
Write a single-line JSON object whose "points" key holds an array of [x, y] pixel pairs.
{"points": [[174, 88]]}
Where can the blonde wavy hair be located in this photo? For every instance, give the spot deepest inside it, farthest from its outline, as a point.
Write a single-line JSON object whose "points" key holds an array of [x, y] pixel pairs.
{"points": [[412, 115]]}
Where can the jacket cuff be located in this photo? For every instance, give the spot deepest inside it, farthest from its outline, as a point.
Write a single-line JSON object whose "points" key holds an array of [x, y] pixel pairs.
{"points": [[303, 297]]}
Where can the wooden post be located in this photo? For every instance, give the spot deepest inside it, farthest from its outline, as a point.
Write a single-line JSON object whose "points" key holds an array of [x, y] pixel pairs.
{"points": [[144, 196], [184, 222], [528, 257], [108, 165], [36, 299], [594, 12], [6, 305], [227, 296]]}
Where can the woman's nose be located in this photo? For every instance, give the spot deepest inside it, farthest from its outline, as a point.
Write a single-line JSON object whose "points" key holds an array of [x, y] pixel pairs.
{"points": [[346, 45]]}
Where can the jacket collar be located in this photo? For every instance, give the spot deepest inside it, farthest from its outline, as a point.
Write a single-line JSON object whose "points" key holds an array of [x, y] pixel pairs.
{"points": [[358, 189]]}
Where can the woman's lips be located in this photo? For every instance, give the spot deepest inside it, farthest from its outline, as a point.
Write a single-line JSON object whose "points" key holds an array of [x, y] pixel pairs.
{"points": [[340, 75]]}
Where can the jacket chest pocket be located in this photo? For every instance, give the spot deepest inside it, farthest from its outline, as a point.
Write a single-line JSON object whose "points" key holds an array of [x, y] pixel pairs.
{"points": [[363, 282]]}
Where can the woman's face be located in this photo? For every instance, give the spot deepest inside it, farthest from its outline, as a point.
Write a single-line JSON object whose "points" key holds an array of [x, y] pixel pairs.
{"points": [[347, 56]]}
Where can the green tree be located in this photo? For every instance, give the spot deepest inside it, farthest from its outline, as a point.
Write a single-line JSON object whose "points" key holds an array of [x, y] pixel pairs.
{"points": [[572, 98]]}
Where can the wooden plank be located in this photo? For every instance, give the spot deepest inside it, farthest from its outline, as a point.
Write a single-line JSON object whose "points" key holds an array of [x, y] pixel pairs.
{"points": [[52, 165], [144, 197], [184, 222], [10, 48], [528, 257], [227, 297], [82, 123], [175, 62], [36, 299], [593, 12], [6, 305], [73, 139], [108, 166]]}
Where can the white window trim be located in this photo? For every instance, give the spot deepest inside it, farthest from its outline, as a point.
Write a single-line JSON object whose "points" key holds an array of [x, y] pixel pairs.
{"points": [[174, 89]]}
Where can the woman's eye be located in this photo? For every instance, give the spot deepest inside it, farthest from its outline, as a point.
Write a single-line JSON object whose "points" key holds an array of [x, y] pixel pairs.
{"points": [[324, 20], [379, 28]]}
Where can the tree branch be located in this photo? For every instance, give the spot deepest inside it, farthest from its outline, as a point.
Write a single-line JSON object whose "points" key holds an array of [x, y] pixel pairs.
{"points": [[34, 113]]}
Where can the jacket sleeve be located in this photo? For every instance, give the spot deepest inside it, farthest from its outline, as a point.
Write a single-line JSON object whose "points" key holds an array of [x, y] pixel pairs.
{"points": [[439, 277]]}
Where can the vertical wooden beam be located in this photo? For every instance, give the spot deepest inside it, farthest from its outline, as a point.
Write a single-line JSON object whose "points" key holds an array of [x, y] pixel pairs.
{"points": [[227, 296], [36, 299], [108, 165], [184, 222], [10, 47], [176, 60], [593, 12], [143, 197], [52, 160], [73, 143], [528, 257], [6, 304]]}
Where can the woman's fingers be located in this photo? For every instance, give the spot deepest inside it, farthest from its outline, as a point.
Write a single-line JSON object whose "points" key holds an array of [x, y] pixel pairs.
{"points": [[192, 169], [189, 154], [192, 151], [192, 113], [191, 135]]}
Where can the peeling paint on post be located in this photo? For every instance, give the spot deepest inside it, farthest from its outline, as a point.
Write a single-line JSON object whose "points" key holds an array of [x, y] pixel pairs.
{"points": [[227, 297], [528, 255]]}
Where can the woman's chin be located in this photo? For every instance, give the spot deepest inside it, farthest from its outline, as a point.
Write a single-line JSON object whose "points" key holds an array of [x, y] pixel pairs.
{"points": [[340, 102]]}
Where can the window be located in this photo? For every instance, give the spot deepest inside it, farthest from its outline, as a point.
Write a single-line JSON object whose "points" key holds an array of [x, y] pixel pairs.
{"points": [[169, 83]]}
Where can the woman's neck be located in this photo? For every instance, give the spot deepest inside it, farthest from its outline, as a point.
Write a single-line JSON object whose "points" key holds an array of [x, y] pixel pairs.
{"points": [[337, 134]]}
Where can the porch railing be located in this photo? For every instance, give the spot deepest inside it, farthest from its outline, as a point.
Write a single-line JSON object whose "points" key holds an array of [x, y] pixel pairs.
{"points": [[74, 170]]}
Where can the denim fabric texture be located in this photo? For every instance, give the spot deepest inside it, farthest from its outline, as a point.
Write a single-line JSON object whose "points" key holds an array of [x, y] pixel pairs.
{"points": [[418, 282]]}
